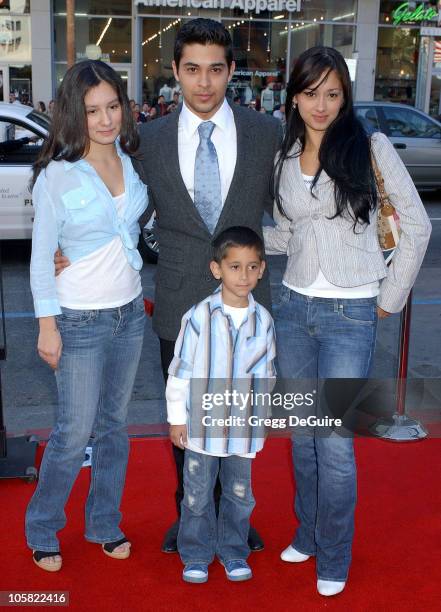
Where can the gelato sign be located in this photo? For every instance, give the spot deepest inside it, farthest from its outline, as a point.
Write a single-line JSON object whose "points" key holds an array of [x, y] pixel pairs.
{"points": [[247, 6], [405, 14]]}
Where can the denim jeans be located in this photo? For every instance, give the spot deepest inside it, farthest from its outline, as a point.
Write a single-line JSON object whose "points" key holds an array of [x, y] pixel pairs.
{"points": [[320, 338], [95, 376], [201, 536]]}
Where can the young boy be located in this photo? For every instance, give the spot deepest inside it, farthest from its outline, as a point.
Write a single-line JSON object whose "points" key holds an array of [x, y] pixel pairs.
{"points": [[226, 342]]}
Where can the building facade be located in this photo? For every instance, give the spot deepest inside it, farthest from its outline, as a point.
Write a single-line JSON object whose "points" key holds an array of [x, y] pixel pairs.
{"points": [[393, 48]]}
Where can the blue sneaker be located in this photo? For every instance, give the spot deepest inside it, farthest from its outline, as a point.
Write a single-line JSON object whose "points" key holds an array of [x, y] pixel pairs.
{"points": [[237, 570], [195, 572]]}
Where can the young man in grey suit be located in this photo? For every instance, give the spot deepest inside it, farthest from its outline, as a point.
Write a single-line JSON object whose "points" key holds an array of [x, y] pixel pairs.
{"points": [[208, 167]]}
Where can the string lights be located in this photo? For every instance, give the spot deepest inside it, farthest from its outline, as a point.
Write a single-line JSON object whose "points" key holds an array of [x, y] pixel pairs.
{"points": [[160, 32]]}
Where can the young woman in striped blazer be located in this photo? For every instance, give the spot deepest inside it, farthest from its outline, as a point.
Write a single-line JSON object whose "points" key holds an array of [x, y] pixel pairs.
{"points": [[336, 284]]}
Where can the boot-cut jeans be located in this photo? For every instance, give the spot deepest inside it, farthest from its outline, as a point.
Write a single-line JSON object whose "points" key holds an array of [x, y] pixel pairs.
{"points": [[319, 338], [201, 535], [95, 376]]}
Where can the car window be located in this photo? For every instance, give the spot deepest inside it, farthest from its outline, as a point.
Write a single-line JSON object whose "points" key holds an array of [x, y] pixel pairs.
{"points": [[369, 117], [40, 119], [409, 124], [19, 144]]}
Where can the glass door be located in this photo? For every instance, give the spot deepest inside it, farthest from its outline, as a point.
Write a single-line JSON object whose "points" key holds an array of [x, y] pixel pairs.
{"points": [[435, 89], [125, 72]]}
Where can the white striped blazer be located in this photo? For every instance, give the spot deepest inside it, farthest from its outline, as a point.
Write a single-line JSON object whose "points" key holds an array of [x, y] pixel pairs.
{"points": [[313, 241]]}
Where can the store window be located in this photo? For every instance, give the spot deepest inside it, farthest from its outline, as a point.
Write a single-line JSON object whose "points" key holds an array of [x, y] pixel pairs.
{"points": [[341, 37], [16, 7], [96, 7], [328, 10], [259, 49], [435, 90], [397, 12], [20, 83], [260, 55], [15, 38], [158, 36], [397, 65], [311, 10], [113, 35]]}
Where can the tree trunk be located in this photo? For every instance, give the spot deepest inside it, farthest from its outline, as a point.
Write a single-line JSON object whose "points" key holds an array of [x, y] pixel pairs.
{"points": [[70, 32]]}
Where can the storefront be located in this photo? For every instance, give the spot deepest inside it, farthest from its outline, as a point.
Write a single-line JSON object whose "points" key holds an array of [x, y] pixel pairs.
{"points": [[137, 38], [266, 38], [408, 68], [391, 54], [15, 50]]}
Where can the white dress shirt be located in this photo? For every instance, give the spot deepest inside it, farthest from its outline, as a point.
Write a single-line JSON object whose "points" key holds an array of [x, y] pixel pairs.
{"points": [[223, 137]]}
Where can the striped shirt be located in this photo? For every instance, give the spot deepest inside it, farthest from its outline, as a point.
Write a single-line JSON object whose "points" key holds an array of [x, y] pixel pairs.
{"points": [[224, 362]]}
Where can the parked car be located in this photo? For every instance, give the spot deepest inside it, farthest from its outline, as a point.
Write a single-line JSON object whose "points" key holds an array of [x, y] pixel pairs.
{"points": [[415, 135], [22, 133]]}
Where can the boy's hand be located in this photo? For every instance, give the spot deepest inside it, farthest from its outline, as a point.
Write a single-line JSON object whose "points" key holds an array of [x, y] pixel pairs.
{"points": [[60, 262], [382, 314], [178, 435]]}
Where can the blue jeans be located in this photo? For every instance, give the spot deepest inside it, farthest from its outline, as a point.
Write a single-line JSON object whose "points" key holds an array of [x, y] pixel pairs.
{"points": [[201, 536], [320, 338], [95, 376]]}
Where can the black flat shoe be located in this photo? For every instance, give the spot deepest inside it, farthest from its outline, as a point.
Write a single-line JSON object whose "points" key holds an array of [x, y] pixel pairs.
{"points": [[170, 544], [40, 558], [255, 542], [109, 549]]}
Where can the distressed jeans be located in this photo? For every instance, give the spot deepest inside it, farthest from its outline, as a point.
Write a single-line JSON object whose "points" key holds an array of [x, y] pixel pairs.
{"points": [[201, 536], [319, 338], [95, 376]]}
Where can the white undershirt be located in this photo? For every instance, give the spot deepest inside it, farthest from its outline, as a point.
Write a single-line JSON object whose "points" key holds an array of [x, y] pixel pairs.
{"points": [[102, 279], [321, 287], [177, 391], [223, 137]]}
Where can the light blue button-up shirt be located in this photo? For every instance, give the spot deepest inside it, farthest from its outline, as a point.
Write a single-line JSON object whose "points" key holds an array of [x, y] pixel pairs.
{"points": [[220, 359], [75, 211]]}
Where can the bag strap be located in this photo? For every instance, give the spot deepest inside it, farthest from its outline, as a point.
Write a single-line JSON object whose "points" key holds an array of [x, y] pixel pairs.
{"points": [[379, 180]]}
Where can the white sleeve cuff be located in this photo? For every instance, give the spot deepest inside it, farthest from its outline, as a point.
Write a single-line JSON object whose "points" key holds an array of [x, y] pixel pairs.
{"points": [[176, 395]]}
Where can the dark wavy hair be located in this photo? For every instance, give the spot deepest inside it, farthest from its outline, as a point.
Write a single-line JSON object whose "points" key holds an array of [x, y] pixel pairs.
{"points": [[68, 136], [345, 149]]}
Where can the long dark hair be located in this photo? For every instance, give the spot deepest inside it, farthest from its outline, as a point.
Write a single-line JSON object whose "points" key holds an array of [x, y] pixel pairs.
{"points": [[68, 137], [345, 149]]}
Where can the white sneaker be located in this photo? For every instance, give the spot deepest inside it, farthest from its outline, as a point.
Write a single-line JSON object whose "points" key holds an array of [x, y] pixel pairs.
{"points": [[330, 587], [291, 555]]}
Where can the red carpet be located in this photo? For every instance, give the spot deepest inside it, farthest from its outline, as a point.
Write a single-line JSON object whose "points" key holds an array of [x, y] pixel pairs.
{"points": [[397, 550]]}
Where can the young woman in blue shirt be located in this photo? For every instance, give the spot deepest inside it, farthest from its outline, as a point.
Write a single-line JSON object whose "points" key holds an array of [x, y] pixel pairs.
{"points": [[87, 200]]}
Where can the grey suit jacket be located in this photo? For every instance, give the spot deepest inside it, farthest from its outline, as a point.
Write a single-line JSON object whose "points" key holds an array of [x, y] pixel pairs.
{"points": [[183, 276], [313, 240]]}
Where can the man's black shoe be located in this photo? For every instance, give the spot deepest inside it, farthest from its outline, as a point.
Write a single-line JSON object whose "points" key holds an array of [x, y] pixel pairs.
{"points": [[255, 542], [170, 544]]}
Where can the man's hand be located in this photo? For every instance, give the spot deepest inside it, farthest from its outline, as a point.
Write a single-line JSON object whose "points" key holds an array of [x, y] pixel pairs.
{"points": [[49, 342], [178, 435], [60, 262], [382, 314]]}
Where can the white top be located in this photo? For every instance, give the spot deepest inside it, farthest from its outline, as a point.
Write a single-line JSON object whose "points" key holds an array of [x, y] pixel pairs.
{"points": [[177, 390], [223, 137], [321, 287], [103, 279]]}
